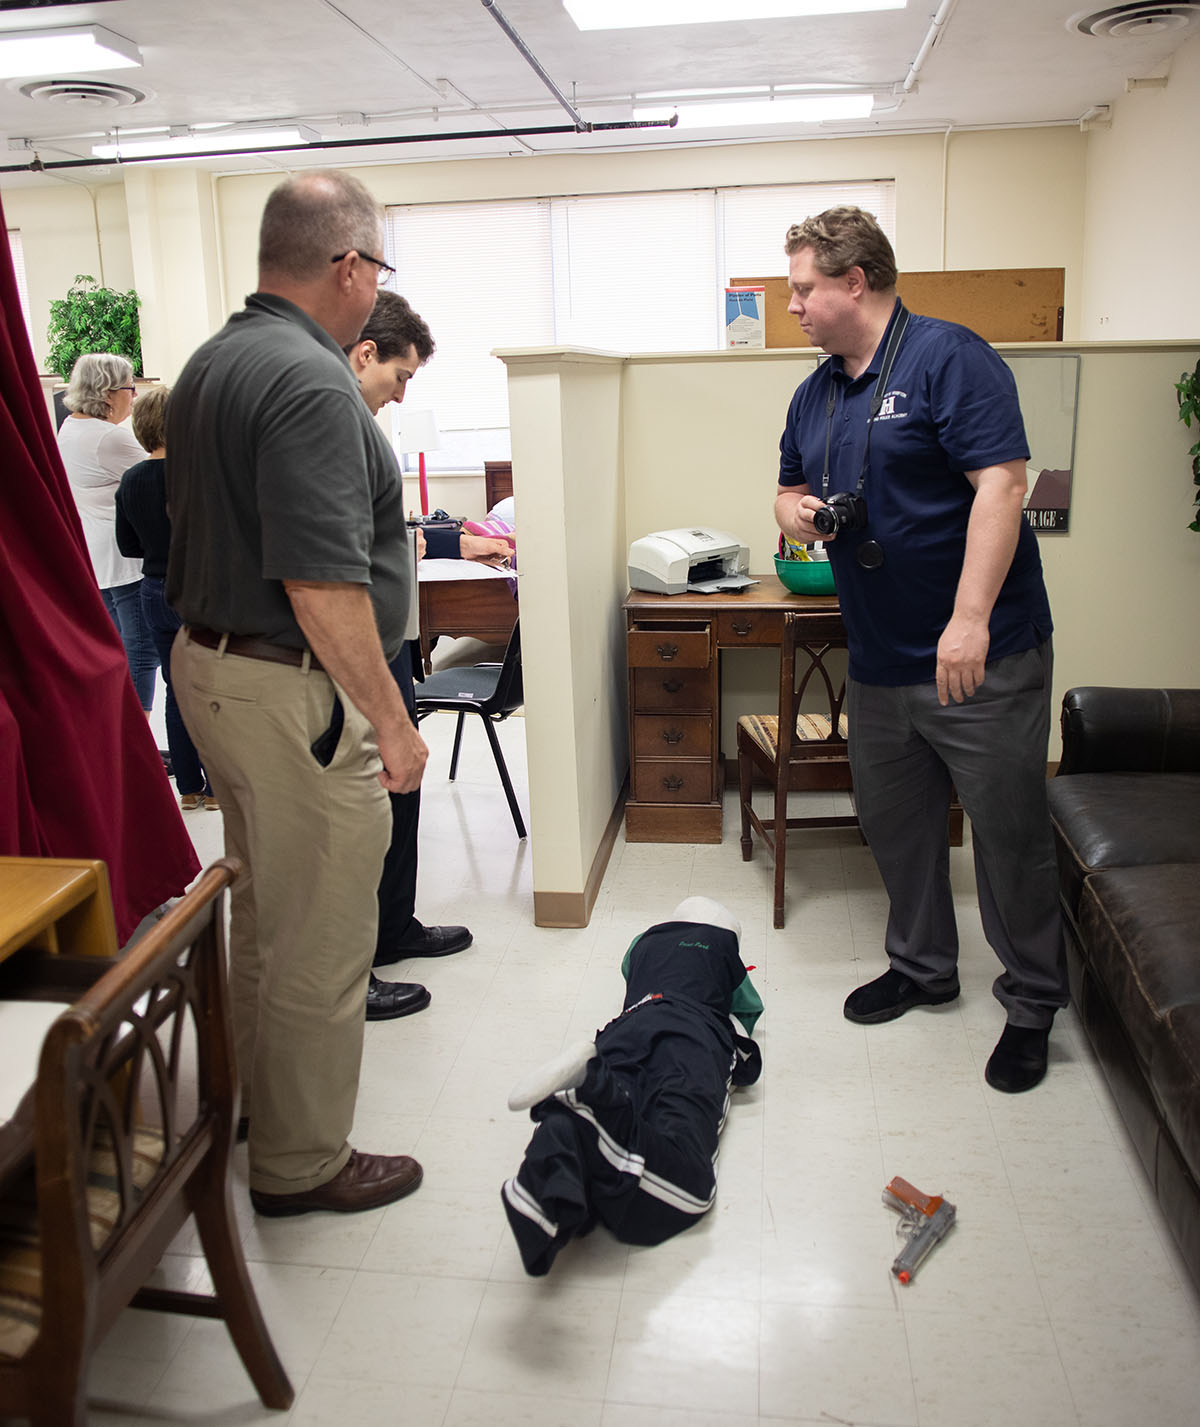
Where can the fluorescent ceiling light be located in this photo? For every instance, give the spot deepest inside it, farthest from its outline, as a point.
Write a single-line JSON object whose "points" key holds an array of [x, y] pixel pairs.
{"points": [[633, 14], [82, 49], [168, 146], [766, 111]]}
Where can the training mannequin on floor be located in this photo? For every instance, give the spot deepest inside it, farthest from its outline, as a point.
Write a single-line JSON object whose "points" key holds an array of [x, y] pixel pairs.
{"points": [[628, 1123]]}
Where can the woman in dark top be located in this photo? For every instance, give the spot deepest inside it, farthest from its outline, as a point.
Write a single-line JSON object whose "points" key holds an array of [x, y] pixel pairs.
{"points": [[144, 529]]}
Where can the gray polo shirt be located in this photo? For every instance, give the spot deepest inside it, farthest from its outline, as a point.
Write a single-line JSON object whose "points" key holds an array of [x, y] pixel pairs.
{"points": [[277, 471]]}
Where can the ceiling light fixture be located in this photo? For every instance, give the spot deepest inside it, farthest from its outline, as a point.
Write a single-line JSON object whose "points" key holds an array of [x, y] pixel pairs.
{"points": [[175, 145], [81, 49], [634, 14], [753, 112]]}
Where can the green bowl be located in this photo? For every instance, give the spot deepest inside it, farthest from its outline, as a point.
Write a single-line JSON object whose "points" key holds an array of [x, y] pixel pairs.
{"points": [[805, 577]]}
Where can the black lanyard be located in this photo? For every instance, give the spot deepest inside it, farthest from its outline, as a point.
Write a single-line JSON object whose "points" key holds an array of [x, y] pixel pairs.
{"points": [[885, 372]]}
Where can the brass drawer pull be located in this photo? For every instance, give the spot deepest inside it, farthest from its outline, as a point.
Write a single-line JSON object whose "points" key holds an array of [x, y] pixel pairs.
{"points": [[667, 651], [743, 626], [672, 686], [672, 735], [672, 785]]}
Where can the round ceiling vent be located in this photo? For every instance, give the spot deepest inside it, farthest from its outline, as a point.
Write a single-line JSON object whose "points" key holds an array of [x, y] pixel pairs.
{"points": [[1138, 19], [83, 93]]}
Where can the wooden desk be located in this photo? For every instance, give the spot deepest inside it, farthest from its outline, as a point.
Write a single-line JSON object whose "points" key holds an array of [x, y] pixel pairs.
{"points": [[674, 699], [484, 608], [674, 643], [63, 907]]}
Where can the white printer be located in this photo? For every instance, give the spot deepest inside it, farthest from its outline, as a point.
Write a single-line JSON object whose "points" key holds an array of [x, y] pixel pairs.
{"points": [[670, 562]]}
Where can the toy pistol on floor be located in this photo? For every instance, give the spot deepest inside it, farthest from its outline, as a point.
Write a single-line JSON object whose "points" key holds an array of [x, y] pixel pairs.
{"points": [[928, 1218]]}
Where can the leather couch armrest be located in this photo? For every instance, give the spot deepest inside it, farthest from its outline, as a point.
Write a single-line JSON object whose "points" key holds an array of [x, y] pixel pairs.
{"points": [[1106, 730]]}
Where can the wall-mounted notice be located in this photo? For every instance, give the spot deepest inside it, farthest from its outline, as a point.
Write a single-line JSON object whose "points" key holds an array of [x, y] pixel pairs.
{"points": [[745, 317]]}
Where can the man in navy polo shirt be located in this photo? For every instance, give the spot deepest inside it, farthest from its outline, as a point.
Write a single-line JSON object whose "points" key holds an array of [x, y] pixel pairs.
{"points": [[913, 428]]}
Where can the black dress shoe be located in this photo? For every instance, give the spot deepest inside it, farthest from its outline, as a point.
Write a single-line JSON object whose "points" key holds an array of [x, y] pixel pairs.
{"points": [[1019, 1060], [889, 996], [386, 1000], [425, 941]]}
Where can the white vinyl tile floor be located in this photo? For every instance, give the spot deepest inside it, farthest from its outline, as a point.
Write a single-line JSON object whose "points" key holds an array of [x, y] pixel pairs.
{"points": [[1058, 1299]]}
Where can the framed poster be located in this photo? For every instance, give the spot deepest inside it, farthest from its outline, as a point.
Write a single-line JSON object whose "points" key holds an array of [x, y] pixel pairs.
{"points": [[1048, 388]]}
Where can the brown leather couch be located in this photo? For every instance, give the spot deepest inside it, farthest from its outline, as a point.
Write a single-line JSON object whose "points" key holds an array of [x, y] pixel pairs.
{"points": [[1126, 812]]}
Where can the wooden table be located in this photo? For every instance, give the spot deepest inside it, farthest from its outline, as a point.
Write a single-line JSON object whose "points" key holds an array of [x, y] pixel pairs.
{"points": [[483, 608], [62, 907], [674, 647]]}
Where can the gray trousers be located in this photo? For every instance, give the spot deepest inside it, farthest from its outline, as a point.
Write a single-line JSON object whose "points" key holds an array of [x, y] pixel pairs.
{"points": [[905, 752]]}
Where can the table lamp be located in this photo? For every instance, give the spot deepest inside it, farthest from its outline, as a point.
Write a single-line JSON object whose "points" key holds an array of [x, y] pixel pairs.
{"points": [[415, 430]]}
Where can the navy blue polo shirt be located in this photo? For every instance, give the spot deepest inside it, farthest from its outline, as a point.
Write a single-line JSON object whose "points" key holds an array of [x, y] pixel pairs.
{"points": [[950, 406]]}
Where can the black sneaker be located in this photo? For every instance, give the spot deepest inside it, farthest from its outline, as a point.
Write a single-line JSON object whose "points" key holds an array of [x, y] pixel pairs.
{"points": [[1019, 1061], [889, 996]]}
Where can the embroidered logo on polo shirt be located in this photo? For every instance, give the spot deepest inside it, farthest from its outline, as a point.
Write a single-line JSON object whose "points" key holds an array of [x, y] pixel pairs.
{"points": [[887, 411]]}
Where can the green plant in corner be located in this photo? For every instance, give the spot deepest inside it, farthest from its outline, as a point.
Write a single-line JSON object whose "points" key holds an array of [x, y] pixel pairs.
{"points": [[1187, 393], [92, 318]]}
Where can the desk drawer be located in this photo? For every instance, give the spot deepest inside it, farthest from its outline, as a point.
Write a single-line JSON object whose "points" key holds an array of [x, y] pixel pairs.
{"points": [[661, 780], [749, 626], [689, 690], [672, 736], [678, 648]]}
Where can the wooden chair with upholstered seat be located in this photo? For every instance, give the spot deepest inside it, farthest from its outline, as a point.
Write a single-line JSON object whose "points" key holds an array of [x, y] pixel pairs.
{"points": [[133, 1117], [796, 751]]}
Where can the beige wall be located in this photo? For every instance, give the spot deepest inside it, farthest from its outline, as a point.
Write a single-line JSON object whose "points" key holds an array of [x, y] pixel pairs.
{"points": [[66, 231], [1005, 199], [1142, 213], [566, 412]]}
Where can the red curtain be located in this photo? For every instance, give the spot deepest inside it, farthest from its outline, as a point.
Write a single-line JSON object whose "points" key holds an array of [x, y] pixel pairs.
{"points": [[80, 775]]}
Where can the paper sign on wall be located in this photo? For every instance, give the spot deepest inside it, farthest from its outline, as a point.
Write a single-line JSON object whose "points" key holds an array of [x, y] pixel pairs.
{"points": [[745, 317]]}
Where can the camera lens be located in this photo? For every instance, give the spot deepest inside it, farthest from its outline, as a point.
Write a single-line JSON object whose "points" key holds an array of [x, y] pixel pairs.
{"points": [[825, 520]]}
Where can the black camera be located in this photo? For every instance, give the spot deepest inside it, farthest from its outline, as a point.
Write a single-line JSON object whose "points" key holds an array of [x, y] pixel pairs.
{"points": [[844, 510]]}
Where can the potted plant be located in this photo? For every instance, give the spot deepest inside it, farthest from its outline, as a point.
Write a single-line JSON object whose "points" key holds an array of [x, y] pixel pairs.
{"points": [[92, 318], [1187, 393]]}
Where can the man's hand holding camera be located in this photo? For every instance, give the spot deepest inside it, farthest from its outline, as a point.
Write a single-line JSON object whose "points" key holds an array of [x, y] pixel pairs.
{"points": [[794, 515]]}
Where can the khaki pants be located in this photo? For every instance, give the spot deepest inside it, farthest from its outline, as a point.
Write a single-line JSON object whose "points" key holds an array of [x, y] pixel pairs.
{"points": [[303, 925]]}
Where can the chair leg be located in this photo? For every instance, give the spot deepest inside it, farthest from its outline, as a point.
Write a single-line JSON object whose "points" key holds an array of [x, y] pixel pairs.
{"points": [[457, 745], [61, 1399], [779, 840], [745, 783], [502, 769], [213, 1208]]}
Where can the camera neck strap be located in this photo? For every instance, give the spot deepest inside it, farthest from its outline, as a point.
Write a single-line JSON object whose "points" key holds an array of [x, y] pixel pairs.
{"points": [[885, 373]]}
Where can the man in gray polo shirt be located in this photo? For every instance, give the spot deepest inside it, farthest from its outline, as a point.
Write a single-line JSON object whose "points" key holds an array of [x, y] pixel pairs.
{"points": [[289, 566]]}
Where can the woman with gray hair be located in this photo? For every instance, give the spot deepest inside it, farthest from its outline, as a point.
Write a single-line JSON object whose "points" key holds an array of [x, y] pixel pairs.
{"points": [[96, 448]]}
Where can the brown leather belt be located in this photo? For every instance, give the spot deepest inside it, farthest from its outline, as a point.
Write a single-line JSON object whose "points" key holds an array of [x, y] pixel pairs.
{"points": [[250, 648]]}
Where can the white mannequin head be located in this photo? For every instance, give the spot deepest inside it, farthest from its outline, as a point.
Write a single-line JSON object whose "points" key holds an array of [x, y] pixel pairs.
{"points": [[704, 909]]}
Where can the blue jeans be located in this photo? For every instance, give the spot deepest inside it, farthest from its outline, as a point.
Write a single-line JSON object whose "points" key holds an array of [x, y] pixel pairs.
{"points": [[124, 605], [162, 622]]}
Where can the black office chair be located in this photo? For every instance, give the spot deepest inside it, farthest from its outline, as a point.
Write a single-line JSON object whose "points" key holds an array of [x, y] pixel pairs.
{"points": [[493, 691]]}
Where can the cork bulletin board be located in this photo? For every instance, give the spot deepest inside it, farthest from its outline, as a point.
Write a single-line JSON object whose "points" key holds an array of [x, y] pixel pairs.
{"points": [[1001, 304]]}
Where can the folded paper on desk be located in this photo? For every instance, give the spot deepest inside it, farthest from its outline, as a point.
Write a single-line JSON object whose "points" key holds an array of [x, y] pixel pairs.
{"points": [[693, 560]]}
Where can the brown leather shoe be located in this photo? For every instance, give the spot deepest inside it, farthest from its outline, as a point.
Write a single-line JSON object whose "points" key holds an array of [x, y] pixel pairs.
{"points": [[365, 1181]]}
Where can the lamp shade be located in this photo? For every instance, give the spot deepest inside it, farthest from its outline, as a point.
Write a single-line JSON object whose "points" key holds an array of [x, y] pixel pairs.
{"points": [[415, 429]]}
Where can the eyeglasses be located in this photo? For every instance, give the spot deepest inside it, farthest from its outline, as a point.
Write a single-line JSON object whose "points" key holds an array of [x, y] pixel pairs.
{"points": [[385, 270], [123, 388]]}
